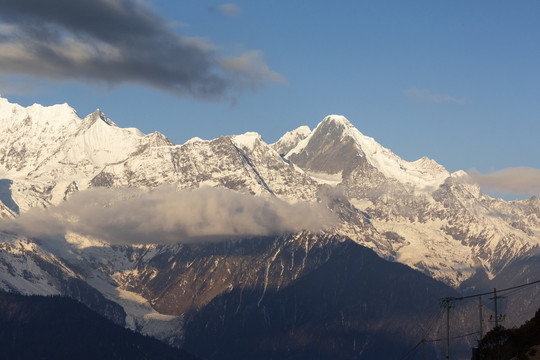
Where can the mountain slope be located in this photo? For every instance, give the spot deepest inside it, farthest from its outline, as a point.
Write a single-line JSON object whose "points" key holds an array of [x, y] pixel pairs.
{"points": [[35, 327], [352, 306]]}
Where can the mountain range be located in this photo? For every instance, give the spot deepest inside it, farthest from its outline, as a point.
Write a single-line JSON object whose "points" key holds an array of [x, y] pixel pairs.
{"points": [[171, 240]]}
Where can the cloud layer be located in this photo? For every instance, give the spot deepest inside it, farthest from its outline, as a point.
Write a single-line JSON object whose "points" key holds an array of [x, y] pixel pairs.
{"points": [[229, 10], [425, 95], [117, 42], [511, 181], [131, 216]]}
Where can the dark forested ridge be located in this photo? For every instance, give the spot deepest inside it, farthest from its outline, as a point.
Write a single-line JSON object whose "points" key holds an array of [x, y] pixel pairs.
{"points": [[38, 327], [521, 343]]}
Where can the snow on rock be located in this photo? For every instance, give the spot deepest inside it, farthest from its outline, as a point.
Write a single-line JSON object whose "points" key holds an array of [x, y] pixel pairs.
{"points": [[29, 135], [193, 140], [324, 178], [140, 316], [291, 139], [26, 268], [247, 140]]}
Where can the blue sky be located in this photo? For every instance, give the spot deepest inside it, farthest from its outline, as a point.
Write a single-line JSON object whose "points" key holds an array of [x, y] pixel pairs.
{"points": [[456, 81]]}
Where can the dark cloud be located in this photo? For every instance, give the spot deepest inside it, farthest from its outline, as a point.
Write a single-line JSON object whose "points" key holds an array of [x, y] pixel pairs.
{"points": [[131, 216], [509, 181], [120, 41]]}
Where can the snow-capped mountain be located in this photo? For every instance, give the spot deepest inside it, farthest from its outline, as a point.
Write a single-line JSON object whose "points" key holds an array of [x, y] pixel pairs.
{"points": [[415, 213], [425, 217]]}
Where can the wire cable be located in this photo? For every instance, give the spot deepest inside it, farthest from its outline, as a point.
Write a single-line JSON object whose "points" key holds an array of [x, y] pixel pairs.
{"points": [[500, 293], [491, 292]]}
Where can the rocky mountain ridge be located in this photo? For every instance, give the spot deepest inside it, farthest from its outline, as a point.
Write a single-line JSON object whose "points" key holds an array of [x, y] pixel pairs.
{"points": [[405, 211], [415, 213]]}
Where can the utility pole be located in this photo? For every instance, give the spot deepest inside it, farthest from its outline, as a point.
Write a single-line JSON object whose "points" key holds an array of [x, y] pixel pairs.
{"points": [[481, 318], [496, 312], [494, 298], [448, 330], [478, 356], [423, 344], [447, 305]]}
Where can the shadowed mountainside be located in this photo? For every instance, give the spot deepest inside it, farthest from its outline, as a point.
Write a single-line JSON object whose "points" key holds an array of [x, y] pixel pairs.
{"points": [[38, 327]]}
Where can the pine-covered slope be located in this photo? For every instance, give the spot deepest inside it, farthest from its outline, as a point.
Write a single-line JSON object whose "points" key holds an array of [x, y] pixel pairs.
{"points": [[517, 343]]}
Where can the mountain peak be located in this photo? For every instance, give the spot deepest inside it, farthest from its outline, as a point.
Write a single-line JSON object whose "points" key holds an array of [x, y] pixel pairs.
{"points": [[99, 115], [158, 139], [337, 119], [247, 140], [291, 139], [193, 140], [335, 144], [331, 130], [59, 114], [334, 125]]}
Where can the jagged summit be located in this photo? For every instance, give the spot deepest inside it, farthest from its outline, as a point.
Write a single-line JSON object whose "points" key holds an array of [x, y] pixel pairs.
{"points": [[158, 139], [11, 114], [99, 115], [336, 146], [332, 129], [53, 142], [338, 120], [194, 140], [327, 149], [247, 140], [291, 139]]}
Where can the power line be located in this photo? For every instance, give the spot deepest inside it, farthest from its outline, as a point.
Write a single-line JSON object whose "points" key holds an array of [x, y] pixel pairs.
{"points": [[515, 291], [448, 300], [413, 350], [491, 292], [431, 322], [446, 303], [453, 338]]}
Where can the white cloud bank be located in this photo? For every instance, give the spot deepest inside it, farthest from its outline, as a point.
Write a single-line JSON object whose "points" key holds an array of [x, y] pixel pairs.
{"points": [[131, 216], [509, 181]]}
